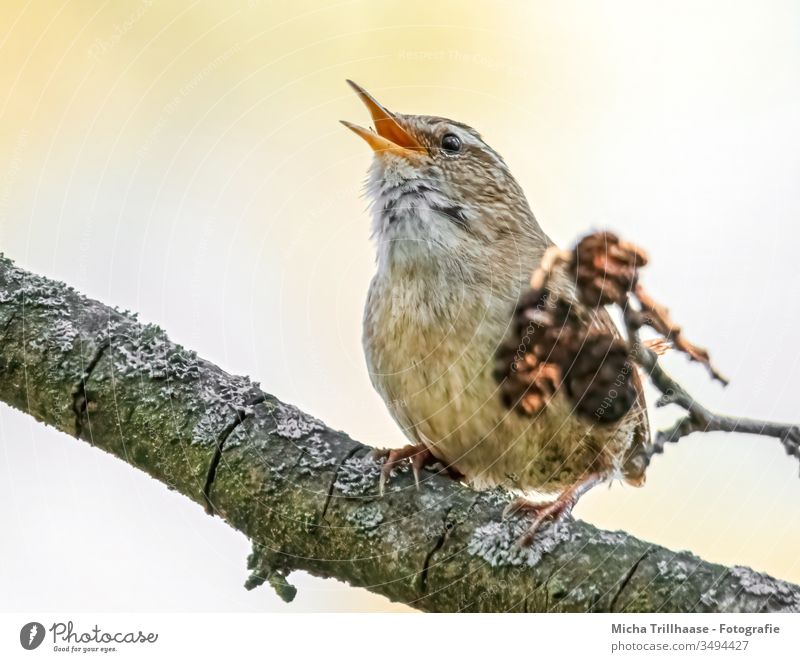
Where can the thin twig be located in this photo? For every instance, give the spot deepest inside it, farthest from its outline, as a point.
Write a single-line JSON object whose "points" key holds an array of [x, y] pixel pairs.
{"points": [[605, 271], [698, 419], [657, 316]]}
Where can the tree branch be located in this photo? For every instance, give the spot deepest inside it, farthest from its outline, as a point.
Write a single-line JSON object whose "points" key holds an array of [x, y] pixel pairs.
{"points": [[698, 418], [307, 496], [550, 341]]}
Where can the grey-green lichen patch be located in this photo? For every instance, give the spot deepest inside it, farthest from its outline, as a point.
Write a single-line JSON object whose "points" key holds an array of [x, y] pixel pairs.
{"points": [[63, 335], [358, 476], [291, 423], [25, 292], [781, 595], [366, 518], [498, 542], [496, 497], [147, 351], [255, 431], [316, 455], [430, 500], [675, 569], [278, 469], [212, 399], [49, 333], [33, 290], [226, 400], [614, 538]]}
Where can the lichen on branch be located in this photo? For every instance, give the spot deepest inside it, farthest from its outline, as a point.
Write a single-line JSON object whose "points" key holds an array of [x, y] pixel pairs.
{"points": [[306, 495]]}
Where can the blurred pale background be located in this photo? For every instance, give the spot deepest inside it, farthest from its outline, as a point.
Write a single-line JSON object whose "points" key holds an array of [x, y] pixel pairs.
{"points": [[184, 160]]}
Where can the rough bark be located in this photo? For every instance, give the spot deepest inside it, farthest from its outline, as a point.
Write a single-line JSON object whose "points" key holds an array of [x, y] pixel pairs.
{"points": [[306, 495]]}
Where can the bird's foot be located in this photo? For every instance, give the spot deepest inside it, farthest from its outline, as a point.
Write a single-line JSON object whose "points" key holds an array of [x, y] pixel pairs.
{"points": [[554, 511], [539, 512], [417, 455]]}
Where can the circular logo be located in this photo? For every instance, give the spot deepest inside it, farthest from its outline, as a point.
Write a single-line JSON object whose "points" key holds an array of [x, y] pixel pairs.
{"points": [[31, 635]]}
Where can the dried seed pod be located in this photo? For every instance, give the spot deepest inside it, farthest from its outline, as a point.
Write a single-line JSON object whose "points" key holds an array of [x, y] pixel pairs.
{"points": [[525, 368], [600, 379], [530, 385], [605, 268], [551, 346]]}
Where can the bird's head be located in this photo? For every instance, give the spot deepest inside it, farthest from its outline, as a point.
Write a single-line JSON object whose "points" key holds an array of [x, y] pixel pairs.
{"points": [[437, 188]]}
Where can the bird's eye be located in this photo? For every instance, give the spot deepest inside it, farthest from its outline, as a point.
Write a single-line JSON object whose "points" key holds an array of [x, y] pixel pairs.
{"points": [[451, 143]]}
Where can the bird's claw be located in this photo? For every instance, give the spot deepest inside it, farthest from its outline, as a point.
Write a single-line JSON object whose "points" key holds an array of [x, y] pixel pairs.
{"points": [[417, 456], [555, 510], [515, 506], [540, 513]]}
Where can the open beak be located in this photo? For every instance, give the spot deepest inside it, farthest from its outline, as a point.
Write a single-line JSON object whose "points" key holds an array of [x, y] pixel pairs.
{"points": [[389, 136]]}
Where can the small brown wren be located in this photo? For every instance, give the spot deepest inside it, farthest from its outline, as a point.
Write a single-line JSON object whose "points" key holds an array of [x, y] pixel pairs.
{"points": [[456, 245]]}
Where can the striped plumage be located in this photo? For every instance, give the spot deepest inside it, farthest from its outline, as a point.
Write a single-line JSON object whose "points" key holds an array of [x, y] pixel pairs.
{"points": [[456, 244]]}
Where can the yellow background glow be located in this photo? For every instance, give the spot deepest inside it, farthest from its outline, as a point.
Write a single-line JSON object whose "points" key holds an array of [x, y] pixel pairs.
{"points": [[184, 160]]}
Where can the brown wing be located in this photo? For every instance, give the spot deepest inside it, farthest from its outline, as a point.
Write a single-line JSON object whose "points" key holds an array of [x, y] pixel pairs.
{"points": [[635, 461]]}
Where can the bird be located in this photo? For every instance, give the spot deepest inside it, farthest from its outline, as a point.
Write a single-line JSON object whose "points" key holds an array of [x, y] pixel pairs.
{"points": [[456, 243]]}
